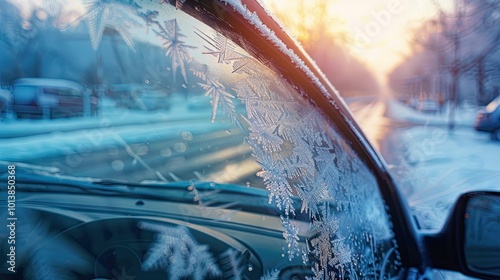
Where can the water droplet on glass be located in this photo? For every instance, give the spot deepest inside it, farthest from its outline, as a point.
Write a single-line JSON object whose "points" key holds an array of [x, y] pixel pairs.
{"points": [[26, 25], [228, 131], [73, 160], [117, 165], [186, 135], [41, 15], [180, 147], [142, 150], [165, 152]]}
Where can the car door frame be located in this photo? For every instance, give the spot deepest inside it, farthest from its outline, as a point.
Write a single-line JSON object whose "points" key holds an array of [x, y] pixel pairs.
{"points": [[234, 25]]}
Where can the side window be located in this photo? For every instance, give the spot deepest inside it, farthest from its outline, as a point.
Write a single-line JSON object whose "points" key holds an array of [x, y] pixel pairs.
{"points": [[241, 155], [302, 156]]}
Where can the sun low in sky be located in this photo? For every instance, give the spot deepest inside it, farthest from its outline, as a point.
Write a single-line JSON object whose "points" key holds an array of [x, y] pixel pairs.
{"points": [[380, 33]]}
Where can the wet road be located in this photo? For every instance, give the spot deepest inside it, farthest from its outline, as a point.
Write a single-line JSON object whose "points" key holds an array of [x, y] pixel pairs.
{"points": [[381, 130]]}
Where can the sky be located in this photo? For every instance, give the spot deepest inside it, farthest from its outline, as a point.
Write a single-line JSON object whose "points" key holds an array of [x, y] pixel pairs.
{"points": [[381, 31]]}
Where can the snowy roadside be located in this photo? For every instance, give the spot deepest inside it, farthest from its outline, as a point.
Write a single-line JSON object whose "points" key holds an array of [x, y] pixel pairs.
{"points": [[431, 166], [13, 128], [401, 112], [32, 139], [436, 166]]}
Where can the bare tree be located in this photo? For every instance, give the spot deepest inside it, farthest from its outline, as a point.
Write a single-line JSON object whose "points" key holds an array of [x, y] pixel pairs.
{"points": [[311, 21], [326, 39], [464, 41]]}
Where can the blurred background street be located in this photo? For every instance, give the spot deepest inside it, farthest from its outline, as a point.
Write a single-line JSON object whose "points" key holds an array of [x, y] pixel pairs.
{"points": [[423, 80]]}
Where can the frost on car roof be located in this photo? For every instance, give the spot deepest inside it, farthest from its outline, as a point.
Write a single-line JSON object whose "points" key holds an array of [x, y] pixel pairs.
{"points": [[254, 19]]}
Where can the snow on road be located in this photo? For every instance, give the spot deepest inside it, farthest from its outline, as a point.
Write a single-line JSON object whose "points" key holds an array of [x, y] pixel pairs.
{"points": [[401, 112], [443, 165], [431, 165]]}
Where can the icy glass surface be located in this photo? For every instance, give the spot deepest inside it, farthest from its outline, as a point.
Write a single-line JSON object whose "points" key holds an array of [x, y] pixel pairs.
{"points": [[181, 152]]}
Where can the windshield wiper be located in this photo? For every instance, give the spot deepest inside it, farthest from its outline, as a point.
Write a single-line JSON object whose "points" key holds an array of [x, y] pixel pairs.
{"points": [[204, 194], [27, 167], [34, 178]]}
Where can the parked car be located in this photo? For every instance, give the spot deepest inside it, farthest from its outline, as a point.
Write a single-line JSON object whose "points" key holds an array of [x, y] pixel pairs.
{"points": [[488, 120], [51, 98], [283, 186]]}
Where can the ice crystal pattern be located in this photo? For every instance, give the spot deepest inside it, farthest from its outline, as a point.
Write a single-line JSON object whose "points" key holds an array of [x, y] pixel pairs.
{"points": [[212, 86], [149, 18], [220, 47], [14, 34], [291, 236], [176, 251], [205, 201], [271, 275], [254, 19], [302, 155], [233, 264], [174, 47], [53, 6], [44, 256], [113, 14]]}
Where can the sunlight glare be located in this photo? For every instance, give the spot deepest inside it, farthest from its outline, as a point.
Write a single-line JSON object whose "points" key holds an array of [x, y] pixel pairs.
{"points": [[380, 32]]}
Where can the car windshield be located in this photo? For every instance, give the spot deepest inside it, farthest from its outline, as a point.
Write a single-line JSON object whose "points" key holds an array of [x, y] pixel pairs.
{"points": [[137, 99], [154, 119]]}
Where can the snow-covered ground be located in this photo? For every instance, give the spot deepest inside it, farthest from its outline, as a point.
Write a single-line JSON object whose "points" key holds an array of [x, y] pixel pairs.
{"points": [[436, 166], [401, 112], [111, 116], [22, 140], [439, 166], [431, 166]]}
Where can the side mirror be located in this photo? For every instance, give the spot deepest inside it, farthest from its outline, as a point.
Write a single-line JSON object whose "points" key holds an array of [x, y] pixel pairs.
{"points": [[482, 234], [470, 240]]}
